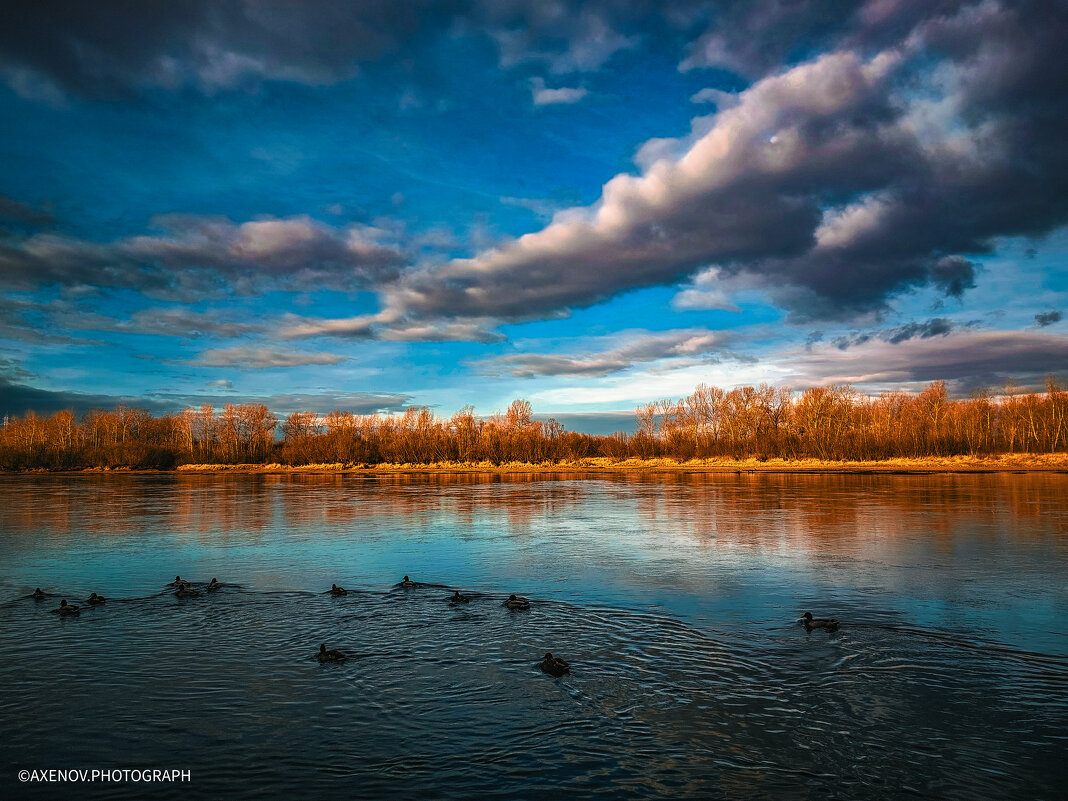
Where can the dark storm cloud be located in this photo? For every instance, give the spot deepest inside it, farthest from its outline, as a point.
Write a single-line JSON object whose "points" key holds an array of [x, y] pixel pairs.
{"points": [[15, 211], [935, 327], [966, 358], [17, 398], [195, 257], [835, 184], [637, 349], [112, 48], [1042, 319]]}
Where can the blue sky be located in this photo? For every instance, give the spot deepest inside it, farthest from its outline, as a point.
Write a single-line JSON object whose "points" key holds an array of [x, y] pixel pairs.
{"points": [[586, 205]]}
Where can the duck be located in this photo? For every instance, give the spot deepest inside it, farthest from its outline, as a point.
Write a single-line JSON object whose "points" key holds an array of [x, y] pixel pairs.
{"points": [[336, 590], [38, 594], [554, 666], [213, 585], [96, 600], [178, 582], [818, 622], [66, 609], [407, 582], [457, 598], [185, 591], [331, 655], [519, 604]]}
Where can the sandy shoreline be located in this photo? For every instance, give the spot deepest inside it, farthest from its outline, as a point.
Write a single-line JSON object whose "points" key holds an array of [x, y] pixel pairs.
{"points": [[952, 464]]}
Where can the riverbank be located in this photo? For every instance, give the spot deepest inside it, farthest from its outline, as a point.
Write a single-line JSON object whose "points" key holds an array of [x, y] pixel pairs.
{"points": [[949, 464]]}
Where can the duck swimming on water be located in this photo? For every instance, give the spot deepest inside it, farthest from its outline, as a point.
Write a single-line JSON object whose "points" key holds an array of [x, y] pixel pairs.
{"points": [[38, 594], [818, 622], [407, 582], [331, 655], [554, 666], [185, 591], [96, 600], [336, 590], [213, 585], [66, 609], [178, 582], [457, 598], [517, 603]]}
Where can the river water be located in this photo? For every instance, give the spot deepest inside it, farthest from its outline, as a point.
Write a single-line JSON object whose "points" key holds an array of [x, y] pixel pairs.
{"points": [[674, 598]]}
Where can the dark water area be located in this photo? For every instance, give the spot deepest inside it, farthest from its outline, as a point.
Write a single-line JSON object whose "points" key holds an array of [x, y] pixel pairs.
{"points": [[674, 598]]}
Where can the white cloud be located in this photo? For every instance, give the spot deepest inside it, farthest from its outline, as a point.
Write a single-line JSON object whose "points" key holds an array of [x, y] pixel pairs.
{"points": [[544, 96]]}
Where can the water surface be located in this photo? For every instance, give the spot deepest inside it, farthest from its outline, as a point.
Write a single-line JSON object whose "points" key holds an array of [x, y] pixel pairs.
{"points": [[675, 598]]}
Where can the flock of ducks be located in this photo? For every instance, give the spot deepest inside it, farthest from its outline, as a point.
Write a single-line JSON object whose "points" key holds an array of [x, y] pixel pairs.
{"points": [[552, 665]]}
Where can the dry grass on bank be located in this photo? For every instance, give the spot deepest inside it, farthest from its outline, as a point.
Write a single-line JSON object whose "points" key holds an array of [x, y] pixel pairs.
{"points": [[946, 464]]}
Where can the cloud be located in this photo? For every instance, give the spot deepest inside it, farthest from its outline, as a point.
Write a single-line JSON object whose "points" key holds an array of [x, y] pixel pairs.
{"points": [[723, 100], [248, 357], [110, 48], [834, 184], [566, 37], [287, 403], [196, 257], [1042, 319], [19, 398], [637, 348], [545, 97], [17, 322], [935, 327], [15, 211], [966, 358], [706, 290], [159, 321], [391, 327]]}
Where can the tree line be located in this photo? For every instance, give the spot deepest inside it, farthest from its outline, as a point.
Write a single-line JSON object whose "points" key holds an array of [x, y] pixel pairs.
{"points": [[828, 423]]}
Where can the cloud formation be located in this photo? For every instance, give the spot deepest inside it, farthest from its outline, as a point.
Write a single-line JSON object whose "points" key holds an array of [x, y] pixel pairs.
{"points": [[935, 327], [18, 398], [544, 96], [51, 48], [15, 211], [248, 357], [637, 349], [1042, 319], [834, 184], [391, 327], [195, 257], [967, 359]]}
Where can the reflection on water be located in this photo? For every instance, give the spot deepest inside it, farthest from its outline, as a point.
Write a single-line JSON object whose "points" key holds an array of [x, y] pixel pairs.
{"points": [[674, 598]]}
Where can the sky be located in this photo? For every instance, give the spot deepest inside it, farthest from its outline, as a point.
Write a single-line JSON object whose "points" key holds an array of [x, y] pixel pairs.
{"points": [[367, 206]]}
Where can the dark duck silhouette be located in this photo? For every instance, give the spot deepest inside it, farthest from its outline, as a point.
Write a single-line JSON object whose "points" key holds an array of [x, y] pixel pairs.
{"points": [[336, 590], [65, 609], [96, 600], [330, 656], [554, 666], [38, 594], [178, 582], [457, 598], [407, 582], [185, 591], [213, 585], [517, 603], [818, 622]]}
